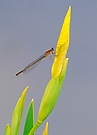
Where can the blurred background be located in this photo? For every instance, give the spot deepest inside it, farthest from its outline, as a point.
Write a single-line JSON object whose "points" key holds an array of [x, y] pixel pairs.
{"points": [[27, 30]]}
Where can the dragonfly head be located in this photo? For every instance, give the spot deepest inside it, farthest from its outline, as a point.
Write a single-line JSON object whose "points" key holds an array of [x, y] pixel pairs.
{"points": [[52, 51]]}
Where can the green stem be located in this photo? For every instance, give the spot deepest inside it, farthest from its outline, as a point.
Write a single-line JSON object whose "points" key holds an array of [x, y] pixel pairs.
{"points": [[37, 124]]}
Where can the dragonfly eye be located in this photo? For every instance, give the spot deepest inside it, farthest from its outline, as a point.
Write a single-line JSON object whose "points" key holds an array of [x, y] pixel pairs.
{"points": [[52, 48], [53, 51]]}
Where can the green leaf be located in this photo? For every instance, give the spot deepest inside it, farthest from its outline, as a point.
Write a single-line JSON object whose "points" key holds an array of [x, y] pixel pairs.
{"points": [[29, 119], [49, 99], [63, 72], [7, 130], [17, 113], [51, 94]]}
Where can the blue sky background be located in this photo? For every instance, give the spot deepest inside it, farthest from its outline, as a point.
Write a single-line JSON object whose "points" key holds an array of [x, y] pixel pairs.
{"points": [[28, 29]]}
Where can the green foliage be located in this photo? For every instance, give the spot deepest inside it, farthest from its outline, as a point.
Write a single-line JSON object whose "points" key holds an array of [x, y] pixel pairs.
{"points": [[17, 114], [29, 119], [47, 104], [7, 130]]}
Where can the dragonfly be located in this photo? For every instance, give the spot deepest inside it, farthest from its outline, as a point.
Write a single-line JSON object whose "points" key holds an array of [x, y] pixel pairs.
{"points": [[48, 52]]}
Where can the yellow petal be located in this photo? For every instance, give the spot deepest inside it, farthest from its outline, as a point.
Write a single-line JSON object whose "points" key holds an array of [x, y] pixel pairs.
{"points": [[62, 45]]}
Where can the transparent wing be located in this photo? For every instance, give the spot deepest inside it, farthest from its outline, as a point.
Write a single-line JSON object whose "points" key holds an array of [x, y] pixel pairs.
{"points": [[31, 65]]}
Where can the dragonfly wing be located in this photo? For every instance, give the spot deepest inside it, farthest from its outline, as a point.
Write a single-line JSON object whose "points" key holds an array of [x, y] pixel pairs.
{"points": [[33, 64]]}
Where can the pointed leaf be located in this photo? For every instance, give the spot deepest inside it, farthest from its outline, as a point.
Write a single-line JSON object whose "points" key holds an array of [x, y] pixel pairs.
{"points": [[29, 118], [17, 114], [46, 129], [7, 130]]}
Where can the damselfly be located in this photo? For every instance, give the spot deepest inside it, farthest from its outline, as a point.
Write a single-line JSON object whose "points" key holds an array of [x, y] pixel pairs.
{"points": [[48, 52]]}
